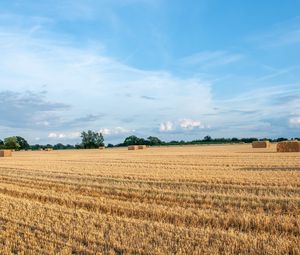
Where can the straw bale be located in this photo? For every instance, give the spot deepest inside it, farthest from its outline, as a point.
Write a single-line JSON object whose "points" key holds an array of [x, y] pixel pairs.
{"points": [[5, 153], [133, 147], [141, 147], [288, 146], [261, 144]]}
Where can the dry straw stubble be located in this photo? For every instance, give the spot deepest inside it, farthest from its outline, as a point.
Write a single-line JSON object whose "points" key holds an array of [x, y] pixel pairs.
{"points": [[171, 200]]}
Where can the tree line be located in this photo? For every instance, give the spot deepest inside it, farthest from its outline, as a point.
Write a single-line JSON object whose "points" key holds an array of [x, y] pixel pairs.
{"points": [[92, 140], [154, 141], [89, 140]]}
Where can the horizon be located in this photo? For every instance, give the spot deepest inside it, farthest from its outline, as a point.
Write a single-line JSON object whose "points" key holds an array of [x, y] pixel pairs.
{"points": [[174, 70], [197, 141]]}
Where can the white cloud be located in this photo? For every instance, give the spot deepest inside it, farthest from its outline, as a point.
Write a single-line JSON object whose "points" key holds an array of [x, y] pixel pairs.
{"points": [[190, 124], [61, 136], [92, 83], [166, 126], [115, 131], [295, 121], [43, 123], [52, 135], [69, 135], [182, 125]]}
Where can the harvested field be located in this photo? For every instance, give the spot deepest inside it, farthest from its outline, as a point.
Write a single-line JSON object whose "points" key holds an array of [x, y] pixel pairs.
{"points": [[174, 200]]}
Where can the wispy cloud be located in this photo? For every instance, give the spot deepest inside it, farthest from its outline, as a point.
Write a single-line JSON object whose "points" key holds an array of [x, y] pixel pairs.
{"points": [[209, 59], [278, 73], [166, 126], [89, 83], [65, 136], [281, 34], [28, 109], [261, 112], [116, 131], [190, 124], [182, 126], [53, 85], [295, 121]]}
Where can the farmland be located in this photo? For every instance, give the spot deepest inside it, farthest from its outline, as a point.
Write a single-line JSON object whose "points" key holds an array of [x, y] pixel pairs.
{"points": [[225, 199]]}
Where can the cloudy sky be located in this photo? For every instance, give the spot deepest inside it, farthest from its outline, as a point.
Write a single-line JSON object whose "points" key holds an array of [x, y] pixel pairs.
{"points": [[173, 69]]}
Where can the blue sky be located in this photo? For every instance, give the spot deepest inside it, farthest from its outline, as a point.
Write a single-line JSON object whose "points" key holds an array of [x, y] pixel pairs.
{"points": [[172, 69]]}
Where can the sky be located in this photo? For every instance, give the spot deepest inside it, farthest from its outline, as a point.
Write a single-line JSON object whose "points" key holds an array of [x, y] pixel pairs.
{"points": [[172, 69]]}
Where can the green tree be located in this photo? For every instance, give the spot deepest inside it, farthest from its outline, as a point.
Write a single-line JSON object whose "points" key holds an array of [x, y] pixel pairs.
{"points": [[154, 140], [11, 143], [59, 146], [78, 146], [23, 143], [234, 139], [133, 140], [91, 140], [207, 138]]}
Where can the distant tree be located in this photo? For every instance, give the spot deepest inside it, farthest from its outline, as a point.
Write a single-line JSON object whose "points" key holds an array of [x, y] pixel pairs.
{"points": [[59, 146], [173, 142], [23, 143], [207, 138], [265, 139], [35, 147], [69, 147], [249, 140], [154, 141], [11, 143], [110, 145], [78, 146], [1, 144], [131, 140], [234, 139], [281, 139], [91, 140]]}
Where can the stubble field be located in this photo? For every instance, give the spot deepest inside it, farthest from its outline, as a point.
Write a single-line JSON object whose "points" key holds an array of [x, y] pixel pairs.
{"points": [[228, 199]]}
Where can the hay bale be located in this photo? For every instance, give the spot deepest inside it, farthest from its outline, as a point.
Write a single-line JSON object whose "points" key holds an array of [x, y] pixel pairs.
{"points": [[133, 147], [49, 149], [101, 148], [261, 144], [141, 147], [288, 146], [5, 153]]}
